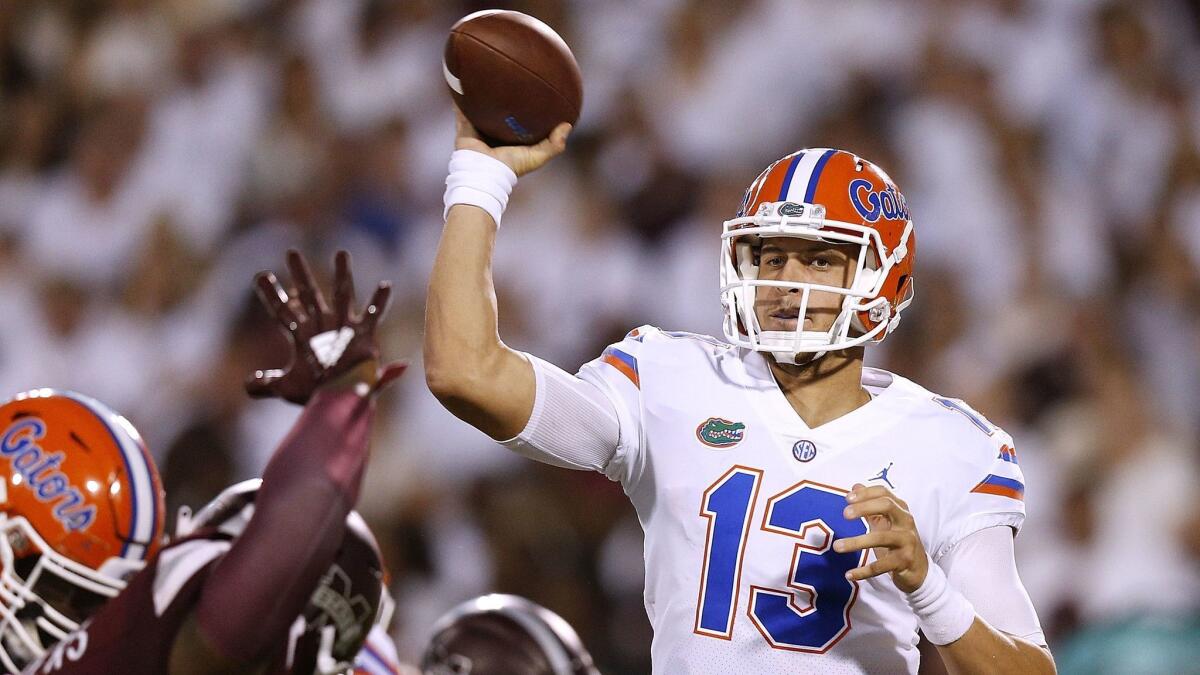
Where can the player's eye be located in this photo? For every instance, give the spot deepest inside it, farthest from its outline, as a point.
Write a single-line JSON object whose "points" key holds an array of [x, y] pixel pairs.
{"points": [[821, 263], [774, 260]]}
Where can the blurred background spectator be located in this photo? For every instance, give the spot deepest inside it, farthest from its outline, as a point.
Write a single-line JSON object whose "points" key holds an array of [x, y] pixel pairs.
{"points": [[154, 154]]}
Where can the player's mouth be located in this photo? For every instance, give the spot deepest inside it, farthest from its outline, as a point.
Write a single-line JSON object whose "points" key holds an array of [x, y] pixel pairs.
{"points": [[786, 318]]}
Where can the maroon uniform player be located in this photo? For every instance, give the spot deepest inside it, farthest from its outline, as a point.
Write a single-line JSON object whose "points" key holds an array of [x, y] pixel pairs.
{"points": [[324, 638], [280, 577]]}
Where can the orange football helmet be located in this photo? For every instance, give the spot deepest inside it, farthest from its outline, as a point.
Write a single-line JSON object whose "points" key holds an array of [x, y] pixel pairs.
{"points": [[81, 510], [827, 195]]}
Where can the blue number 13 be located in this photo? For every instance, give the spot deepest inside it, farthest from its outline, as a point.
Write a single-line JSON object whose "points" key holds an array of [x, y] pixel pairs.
{"points": [[813, 612]]}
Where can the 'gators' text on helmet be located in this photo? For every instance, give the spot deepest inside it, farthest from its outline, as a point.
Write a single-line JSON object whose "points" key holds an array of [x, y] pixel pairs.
{"points": [[82, 510]]}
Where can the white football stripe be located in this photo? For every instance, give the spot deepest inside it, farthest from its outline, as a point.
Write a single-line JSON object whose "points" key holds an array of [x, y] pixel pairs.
{"points": [[143, 493], [795, 191], [454, 82], [143, 500]]}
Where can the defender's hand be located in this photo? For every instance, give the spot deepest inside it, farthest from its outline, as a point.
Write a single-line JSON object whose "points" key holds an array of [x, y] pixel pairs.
{"points": [[893, 535], [520, 158], [335, 346]]}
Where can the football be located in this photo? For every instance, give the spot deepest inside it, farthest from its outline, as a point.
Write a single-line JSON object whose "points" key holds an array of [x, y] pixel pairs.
{"points": [[512, 76]]}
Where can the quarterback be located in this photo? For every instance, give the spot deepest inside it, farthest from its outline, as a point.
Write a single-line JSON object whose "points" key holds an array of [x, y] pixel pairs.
{"points": [[802, 513]]}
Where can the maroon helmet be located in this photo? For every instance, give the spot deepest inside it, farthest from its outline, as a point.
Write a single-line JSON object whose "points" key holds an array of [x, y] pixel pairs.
{"points": [[501, 634], [350, 598]]}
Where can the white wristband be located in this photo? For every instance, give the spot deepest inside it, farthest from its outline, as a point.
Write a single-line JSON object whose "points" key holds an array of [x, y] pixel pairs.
{"points": [[478, 180], [943, 614]]}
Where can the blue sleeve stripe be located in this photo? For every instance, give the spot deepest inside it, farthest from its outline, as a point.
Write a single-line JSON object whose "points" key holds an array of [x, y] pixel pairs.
{"points": [[625, 358], [993, 479], [624, 363], [1001, 486]]}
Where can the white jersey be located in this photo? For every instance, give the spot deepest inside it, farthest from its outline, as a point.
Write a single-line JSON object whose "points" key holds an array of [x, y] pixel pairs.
{"points": [[740, 502]]}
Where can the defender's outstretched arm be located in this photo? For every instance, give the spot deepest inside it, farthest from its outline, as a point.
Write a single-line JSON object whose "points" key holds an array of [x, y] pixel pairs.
{"points": [[262, 583]]}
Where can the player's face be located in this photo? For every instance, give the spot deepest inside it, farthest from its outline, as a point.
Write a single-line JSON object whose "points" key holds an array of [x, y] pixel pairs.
{"points": [[802, 260]]}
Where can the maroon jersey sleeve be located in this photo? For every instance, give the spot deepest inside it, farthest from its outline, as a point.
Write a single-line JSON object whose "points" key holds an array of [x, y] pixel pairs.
{"points": [[133, 633]]}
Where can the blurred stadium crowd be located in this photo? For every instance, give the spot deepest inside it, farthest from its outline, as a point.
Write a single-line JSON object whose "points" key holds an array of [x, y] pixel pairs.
{"points": [[155, 154]]}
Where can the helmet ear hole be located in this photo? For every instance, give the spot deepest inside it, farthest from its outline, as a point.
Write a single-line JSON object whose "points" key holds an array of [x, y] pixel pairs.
{"points": [[904, 293], [866, 280]]}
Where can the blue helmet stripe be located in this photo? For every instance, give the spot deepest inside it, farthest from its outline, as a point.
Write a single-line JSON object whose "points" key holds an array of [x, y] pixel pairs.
{"points": [[787, 178], [816, 176]]}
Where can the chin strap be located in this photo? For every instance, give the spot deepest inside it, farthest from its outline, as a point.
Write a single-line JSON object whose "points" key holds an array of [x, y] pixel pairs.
{"points": [[789, 358], [782, 345]]}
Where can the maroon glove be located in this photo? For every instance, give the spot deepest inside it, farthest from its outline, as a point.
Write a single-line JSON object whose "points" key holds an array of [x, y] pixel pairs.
{"points": [[327, 346]]}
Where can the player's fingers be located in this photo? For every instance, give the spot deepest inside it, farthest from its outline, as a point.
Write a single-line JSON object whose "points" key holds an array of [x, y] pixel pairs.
{"points": [[376, 307], [558, 137], [463, 127], [524, 159], [882, 539], [879, 506], [552, 145], [272, 295], [873, 569], [862, 493], [343, 288], [390, 372], [275, 299], [261, 384], [878, 523], [306, 289], [467, 137]]}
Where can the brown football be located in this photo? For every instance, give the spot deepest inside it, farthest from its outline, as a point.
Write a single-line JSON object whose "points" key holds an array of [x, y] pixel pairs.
{"points": [[512, 76]]}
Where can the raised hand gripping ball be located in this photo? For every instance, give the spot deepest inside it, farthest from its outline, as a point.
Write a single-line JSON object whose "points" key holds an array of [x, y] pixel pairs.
{"points": [[512, 76]]}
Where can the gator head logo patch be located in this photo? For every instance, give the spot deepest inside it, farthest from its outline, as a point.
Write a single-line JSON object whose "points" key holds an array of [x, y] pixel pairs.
{"points": [[716, 432], [791, 209]]}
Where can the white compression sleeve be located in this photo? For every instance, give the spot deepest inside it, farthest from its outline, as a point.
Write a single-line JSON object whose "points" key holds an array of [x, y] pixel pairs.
{"points": [[983, 568], [573, 424]]}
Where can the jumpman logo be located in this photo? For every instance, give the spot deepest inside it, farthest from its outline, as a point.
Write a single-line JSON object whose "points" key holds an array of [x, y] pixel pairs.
{"points": [[883, 475]]}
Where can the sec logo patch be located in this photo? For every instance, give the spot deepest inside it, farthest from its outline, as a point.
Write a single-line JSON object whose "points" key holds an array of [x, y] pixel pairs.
{"points": [[804, 451]]}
